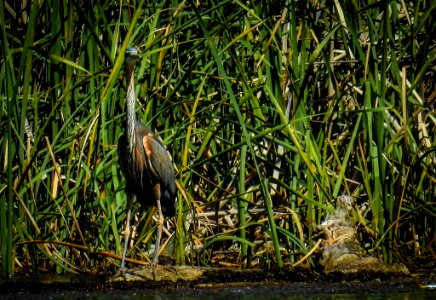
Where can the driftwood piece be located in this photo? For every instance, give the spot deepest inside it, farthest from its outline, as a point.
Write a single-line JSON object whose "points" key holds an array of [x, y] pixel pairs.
{"points": [[163, 273], [341, 249], [210, 277]]}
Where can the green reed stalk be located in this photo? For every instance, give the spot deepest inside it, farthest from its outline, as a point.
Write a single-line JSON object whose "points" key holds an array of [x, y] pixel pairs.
{"points": [[243, 206]]}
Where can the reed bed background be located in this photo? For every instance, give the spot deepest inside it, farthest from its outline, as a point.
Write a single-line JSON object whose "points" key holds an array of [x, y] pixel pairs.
{"points": [[270, 110]]}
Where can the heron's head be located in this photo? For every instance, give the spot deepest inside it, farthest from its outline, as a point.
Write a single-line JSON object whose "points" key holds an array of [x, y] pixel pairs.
{"points": [[132, 56]]}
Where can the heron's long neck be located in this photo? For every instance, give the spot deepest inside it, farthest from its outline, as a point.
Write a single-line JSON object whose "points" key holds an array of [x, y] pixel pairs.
{"points": [[130, 102]]}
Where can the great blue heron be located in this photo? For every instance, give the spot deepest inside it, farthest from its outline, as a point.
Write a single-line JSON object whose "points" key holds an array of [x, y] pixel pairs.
{"points": [[145, 163]]}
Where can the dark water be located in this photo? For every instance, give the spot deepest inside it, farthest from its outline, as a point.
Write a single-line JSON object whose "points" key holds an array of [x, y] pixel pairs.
{"points": [[240, 293], [92, 287]]}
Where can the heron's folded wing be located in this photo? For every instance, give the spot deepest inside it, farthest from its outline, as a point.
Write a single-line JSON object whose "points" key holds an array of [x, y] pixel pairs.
{"points": [[158, 159]]}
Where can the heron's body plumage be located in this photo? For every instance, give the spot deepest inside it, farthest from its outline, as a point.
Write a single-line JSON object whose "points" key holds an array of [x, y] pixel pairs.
{"points": [[148, 165]]}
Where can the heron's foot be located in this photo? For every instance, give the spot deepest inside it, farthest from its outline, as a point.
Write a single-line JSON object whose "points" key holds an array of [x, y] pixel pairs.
{"points": [[122, 272], [132, 277], [151, 272], [125, 274]]}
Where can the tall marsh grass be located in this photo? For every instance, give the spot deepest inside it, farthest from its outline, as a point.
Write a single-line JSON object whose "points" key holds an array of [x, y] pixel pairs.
{"points": [[270, 110]]}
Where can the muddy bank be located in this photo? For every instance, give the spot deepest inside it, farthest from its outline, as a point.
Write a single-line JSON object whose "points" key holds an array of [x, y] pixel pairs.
{"points": [[222, 281]]}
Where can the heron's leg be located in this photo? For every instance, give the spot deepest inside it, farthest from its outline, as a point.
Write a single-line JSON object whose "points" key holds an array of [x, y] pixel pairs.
{"points": [[130, 200], [156, 192]]}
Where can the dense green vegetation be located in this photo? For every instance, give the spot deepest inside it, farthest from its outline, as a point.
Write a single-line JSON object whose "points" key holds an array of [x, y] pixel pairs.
{"points": [[270, 110]]}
